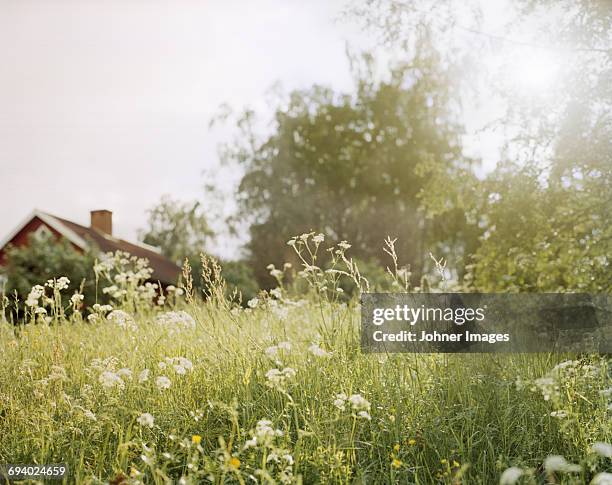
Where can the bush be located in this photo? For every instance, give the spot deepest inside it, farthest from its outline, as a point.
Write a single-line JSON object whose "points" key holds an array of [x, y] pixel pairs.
{"points": [[45, 258]]}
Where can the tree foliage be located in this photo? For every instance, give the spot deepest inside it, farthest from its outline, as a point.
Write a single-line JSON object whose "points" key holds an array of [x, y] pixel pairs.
{"points": [[179, 229], [45, 258], [359, 167]]}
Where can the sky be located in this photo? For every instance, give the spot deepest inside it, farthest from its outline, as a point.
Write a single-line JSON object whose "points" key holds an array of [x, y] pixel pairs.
{"points": [[106, 104]]}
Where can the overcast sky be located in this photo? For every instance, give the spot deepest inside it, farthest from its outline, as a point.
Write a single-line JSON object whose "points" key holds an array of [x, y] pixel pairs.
{"points": [[106, 104]]}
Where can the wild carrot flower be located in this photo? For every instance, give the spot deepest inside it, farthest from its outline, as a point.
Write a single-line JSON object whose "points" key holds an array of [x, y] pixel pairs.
{"points": [[143, 376]]}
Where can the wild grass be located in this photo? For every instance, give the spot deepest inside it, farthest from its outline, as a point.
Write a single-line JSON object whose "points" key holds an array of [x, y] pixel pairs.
{"points": [[89, 394]]}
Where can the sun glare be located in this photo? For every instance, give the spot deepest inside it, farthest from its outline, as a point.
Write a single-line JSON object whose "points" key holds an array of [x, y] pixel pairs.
{"points": [[535, 72]]}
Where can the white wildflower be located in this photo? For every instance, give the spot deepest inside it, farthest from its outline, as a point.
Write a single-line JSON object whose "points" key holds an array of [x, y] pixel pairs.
{"points": [[143, 376], [90, 415], [35, 293], [603, 478], [146, 419], [364, 414], [278, 378], [359, 403], [603, 449], [110, 380], [556, 463], [122, 319], [253, 302], [317, 351], [510, 476], [176, 321], [125, 372], [340, 401], [559, 414], [162, 382]]}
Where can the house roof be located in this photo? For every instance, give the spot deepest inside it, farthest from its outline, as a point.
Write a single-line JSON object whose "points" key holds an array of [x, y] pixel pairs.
{"points": [[164, 269]]}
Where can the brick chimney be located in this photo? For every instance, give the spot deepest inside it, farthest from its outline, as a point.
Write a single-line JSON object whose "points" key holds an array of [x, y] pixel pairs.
{"points": [[102, 220]]}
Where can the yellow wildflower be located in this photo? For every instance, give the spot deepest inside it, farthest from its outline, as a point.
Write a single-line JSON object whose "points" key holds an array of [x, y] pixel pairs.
{"points": [[234, 463], [412, 442], [396, 463], [196, 439], [396, 447]]}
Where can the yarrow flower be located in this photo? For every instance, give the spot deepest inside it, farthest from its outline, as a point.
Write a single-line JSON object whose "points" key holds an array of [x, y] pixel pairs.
{"points": [[146, 419], [162, 382], [340, 401], [510, 476], [603, 478], [122, 319], [556, 463], [317, 351], [263, 434], [76, 299], [602, 449], [143, 376], [360, 406], [278, 378], [110, 380], [253, 302], [180, 365], [176, 321], [58, 284], [35, 293], [559, 414], [125, 373]]}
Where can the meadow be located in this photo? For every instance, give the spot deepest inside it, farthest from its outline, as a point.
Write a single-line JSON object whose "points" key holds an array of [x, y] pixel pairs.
{"points": [[183, 390]]}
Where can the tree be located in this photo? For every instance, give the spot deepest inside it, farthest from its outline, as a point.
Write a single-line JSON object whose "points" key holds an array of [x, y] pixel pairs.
{"points": [[45, 258], [546, 210], [179, 229], [359, 167]]}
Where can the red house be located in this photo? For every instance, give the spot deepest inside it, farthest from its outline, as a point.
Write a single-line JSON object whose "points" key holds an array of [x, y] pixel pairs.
{"points": [[99, 234]]}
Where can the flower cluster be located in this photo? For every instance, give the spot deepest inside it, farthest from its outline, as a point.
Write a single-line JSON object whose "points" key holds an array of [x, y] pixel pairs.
{"points": [[280, 461], [180, 365], [317, 351], [122, 319], [175, 322], [278, 379], [360, 406], [278, 351]]}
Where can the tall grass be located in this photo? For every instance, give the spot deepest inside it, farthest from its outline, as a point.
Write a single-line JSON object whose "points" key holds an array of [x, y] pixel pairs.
{"points": [[92, 394]]}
